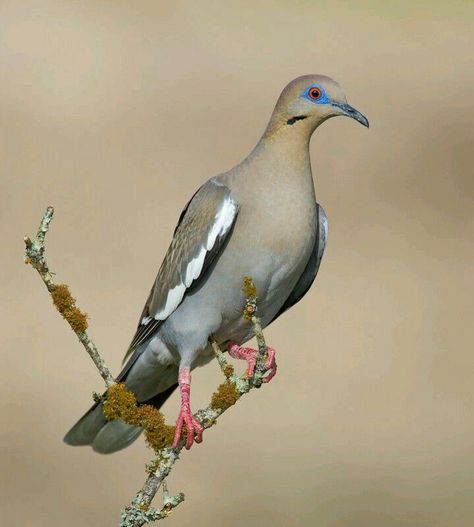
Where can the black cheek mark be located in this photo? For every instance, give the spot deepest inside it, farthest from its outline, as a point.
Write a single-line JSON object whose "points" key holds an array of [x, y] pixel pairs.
{"points": [[296, 118]]}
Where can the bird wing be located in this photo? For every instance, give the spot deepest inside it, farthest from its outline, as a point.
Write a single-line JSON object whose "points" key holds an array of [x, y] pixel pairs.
{"points": [[203, 227], [312, 267]]}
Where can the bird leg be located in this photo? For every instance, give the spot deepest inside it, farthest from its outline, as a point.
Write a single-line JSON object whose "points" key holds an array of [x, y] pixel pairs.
{"points": [[185, 416], [251, 355]]}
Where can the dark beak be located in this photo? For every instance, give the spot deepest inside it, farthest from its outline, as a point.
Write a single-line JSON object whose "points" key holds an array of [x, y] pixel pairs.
{"points": [[352, 113]]}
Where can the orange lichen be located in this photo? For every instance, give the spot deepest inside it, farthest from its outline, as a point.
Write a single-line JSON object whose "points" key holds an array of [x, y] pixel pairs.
{"points": [[158, 434], [249, 289], [250, 292], [122, 404], [66, 305], [228, 370], [225, 396]]}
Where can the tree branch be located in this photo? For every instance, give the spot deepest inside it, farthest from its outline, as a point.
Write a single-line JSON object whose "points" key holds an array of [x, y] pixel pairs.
{"points": [[64, 302], [140, 512]]}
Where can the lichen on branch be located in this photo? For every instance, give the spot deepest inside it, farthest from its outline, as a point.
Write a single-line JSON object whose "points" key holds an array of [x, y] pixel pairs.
{"points": [[122, 404], [66, 304], [225, 396]]}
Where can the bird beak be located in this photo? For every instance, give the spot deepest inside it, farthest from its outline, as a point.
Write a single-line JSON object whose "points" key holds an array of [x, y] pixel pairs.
{"points": [[351, 112]]}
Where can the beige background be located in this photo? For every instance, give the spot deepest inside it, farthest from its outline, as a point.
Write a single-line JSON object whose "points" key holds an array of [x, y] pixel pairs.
{"points": [[115, 112]]}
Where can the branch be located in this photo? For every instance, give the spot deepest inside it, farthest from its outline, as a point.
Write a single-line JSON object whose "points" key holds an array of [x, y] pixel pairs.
{"points": [[62, 298], [122, 404]]}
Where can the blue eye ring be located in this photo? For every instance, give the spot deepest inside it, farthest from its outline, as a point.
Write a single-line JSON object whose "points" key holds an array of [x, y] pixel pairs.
{"points": [[316, 94]]}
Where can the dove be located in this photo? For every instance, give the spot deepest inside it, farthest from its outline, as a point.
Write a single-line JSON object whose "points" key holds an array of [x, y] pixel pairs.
{"points": [[259, 219]]}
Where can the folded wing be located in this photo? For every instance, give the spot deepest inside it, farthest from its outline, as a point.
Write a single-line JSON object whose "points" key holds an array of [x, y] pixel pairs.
{"points": [[203, 227]]}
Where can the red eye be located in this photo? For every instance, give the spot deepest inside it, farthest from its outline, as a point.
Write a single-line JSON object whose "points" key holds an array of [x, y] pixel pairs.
{"points": [[315, 93]]}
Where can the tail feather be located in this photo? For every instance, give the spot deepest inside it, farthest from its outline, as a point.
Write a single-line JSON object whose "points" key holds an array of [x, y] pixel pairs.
{"points": [[115, 436], [105, 436], [85, 430]]}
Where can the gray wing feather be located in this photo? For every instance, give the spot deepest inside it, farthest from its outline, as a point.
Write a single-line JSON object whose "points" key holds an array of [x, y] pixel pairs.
{"points": [[312, 267]]}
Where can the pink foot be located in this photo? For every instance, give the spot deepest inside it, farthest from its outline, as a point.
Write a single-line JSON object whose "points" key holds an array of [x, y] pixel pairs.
{"points": [[185, 417], [250, 355]]}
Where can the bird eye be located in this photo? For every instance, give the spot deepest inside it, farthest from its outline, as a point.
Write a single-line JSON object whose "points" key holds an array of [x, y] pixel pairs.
{"points": [[315, 93]]}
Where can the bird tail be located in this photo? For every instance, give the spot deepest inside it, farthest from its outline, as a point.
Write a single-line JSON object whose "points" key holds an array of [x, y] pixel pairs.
{"points": [[106, 437]]}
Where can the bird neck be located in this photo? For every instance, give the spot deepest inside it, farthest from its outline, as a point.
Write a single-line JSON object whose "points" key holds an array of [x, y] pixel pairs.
{"points": [[280, 167], [285, 148]]}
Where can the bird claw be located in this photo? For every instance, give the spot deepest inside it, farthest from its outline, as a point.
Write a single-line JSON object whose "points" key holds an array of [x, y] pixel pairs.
{"points": [[185, 417], [270, 365], [193, 427], [251, 355]]}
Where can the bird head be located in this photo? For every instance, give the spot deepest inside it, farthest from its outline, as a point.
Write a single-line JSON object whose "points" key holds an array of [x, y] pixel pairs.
{"points": [[310, 100]]}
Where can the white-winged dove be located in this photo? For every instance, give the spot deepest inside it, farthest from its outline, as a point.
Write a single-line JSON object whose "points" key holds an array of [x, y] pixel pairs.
{"points": [[259, 219]]}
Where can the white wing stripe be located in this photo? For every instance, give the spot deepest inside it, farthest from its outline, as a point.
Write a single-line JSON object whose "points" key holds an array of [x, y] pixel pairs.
{"points": [[173, 300], [223, 220], [193, 270]]}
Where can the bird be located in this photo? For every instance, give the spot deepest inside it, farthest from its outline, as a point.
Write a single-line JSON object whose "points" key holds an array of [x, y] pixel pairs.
{"points": [[259, 219]]}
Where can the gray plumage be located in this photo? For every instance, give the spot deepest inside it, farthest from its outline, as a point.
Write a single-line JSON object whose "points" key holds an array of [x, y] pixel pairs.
{"points": [[260, 219]]}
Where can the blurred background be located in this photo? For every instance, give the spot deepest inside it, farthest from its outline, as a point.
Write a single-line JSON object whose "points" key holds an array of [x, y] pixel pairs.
{"points": [[115, 112]]}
